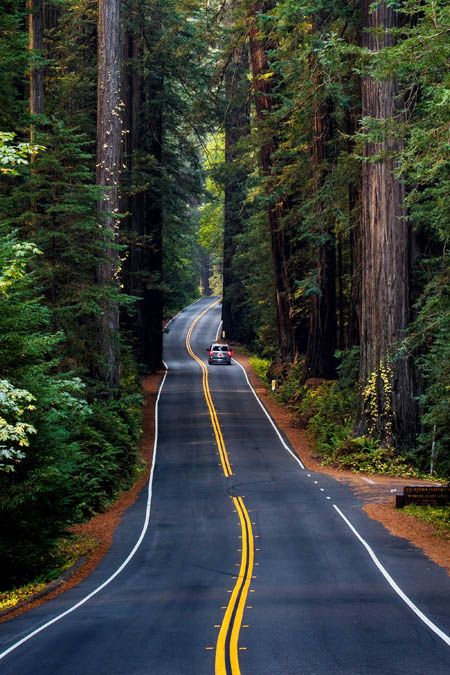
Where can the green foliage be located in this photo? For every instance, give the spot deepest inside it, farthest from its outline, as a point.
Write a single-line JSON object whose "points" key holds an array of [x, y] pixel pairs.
{"points": [[328, 412], [13, 156], [364, 455], [439, 516], [211, 232], [428, 338], [260, 366], [14, 431]]}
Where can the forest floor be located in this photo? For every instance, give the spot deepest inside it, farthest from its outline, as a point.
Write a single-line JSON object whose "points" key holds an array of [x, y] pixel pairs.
{"points": [[99, 530], [376, 492]]}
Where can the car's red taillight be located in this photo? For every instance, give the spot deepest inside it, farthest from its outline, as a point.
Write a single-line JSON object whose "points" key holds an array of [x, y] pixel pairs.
{"points": [[230, 354]]}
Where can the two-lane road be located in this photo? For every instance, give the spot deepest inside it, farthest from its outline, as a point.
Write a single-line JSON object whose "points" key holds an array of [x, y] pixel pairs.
{"points": [[237, 560]]}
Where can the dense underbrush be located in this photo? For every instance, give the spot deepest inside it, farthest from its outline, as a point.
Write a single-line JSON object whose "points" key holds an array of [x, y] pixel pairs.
{"points": [[327, 409], [66, 450]]}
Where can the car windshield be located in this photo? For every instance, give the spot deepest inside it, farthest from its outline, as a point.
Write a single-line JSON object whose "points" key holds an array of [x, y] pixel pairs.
{"points": [[220, 348]]}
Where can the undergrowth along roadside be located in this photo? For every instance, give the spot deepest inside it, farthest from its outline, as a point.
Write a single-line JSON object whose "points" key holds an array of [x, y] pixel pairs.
{"points": [[66, 553], [327, 409], [438, 516]]}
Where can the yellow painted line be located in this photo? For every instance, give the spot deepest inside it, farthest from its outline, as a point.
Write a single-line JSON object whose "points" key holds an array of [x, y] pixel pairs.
{"points": [[226, 466], [237, 600], [234, 642], [234, 611]]}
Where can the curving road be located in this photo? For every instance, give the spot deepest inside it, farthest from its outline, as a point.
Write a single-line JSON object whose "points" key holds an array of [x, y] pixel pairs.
{"points": [[250, 564]]}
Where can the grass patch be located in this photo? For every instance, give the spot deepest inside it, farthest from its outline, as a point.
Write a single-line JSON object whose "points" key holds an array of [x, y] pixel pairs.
{"points": [[439, 516], [67, 552]]}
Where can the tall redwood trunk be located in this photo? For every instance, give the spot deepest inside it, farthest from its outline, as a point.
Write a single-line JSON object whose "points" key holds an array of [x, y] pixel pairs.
{"points": [[322, 339], [144, 263], [352, 338], [388, 408], [260, 45], [109, 141], [237, 127], [36, 46]]}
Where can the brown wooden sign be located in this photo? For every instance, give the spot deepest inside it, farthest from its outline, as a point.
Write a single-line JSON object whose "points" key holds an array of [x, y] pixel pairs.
{"points": [[424, 495]]}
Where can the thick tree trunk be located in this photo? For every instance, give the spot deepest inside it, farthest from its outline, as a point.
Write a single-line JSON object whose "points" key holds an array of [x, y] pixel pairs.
{"points": [[263, 90], [352, 338], [320, 360], [109, 142], [36, 46], [205, 273], [388, 408], [144, 264], [237, 127]]}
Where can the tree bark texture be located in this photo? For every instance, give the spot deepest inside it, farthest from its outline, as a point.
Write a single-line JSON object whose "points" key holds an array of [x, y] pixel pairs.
{"points": [[109, 154], [388, 408], [322, 338], [36, 46], [352, 338], [145, 259], [260, 44], [237, 127]]}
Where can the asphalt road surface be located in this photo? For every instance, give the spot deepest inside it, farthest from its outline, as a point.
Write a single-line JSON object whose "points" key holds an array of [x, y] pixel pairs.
{"points": [[250, 564]]}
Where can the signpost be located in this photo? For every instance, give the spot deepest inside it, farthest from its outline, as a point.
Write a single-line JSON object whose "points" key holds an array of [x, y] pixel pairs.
{"points": [[424, 495]]}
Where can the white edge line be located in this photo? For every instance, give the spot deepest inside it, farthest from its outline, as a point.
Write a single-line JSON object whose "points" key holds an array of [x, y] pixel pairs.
{"points": [[392, 583], [218, 330], [297, 459], [125, 562]]}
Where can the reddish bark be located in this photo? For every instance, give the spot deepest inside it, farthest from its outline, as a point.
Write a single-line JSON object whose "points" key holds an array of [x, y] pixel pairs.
{"points": [[36, 46], [109, 141], [388, 407]]}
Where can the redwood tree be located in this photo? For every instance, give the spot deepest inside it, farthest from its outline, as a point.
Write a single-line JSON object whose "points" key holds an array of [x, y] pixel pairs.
{"points": [[143, 270], [263, 86], [387, 403], [320, 360], [109, 143], [237, 127], [36, 46]]}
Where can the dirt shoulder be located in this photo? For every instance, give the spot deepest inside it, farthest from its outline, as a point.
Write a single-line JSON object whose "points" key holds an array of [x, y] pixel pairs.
{"points": [[377, 492], [100, 529]]}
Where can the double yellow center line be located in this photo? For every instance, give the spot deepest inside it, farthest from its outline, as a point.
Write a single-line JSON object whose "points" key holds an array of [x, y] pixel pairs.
{"points": [[227, 470], [228, 640], [227, 647]]}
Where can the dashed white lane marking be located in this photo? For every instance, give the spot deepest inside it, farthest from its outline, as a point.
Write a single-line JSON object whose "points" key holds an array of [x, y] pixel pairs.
{"points": [[125, 562], [368, 480], [432, 626]]}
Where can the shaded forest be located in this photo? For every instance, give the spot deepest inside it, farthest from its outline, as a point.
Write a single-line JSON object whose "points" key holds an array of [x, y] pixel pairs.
{"points": [[293, 156]]}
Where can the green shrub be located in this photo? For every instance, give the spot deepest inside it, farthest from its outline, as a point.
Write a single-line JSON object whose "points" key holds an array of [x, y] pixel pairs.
{"points": [[364, 455], [328, 412], [261, 367], [439, 516]]}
